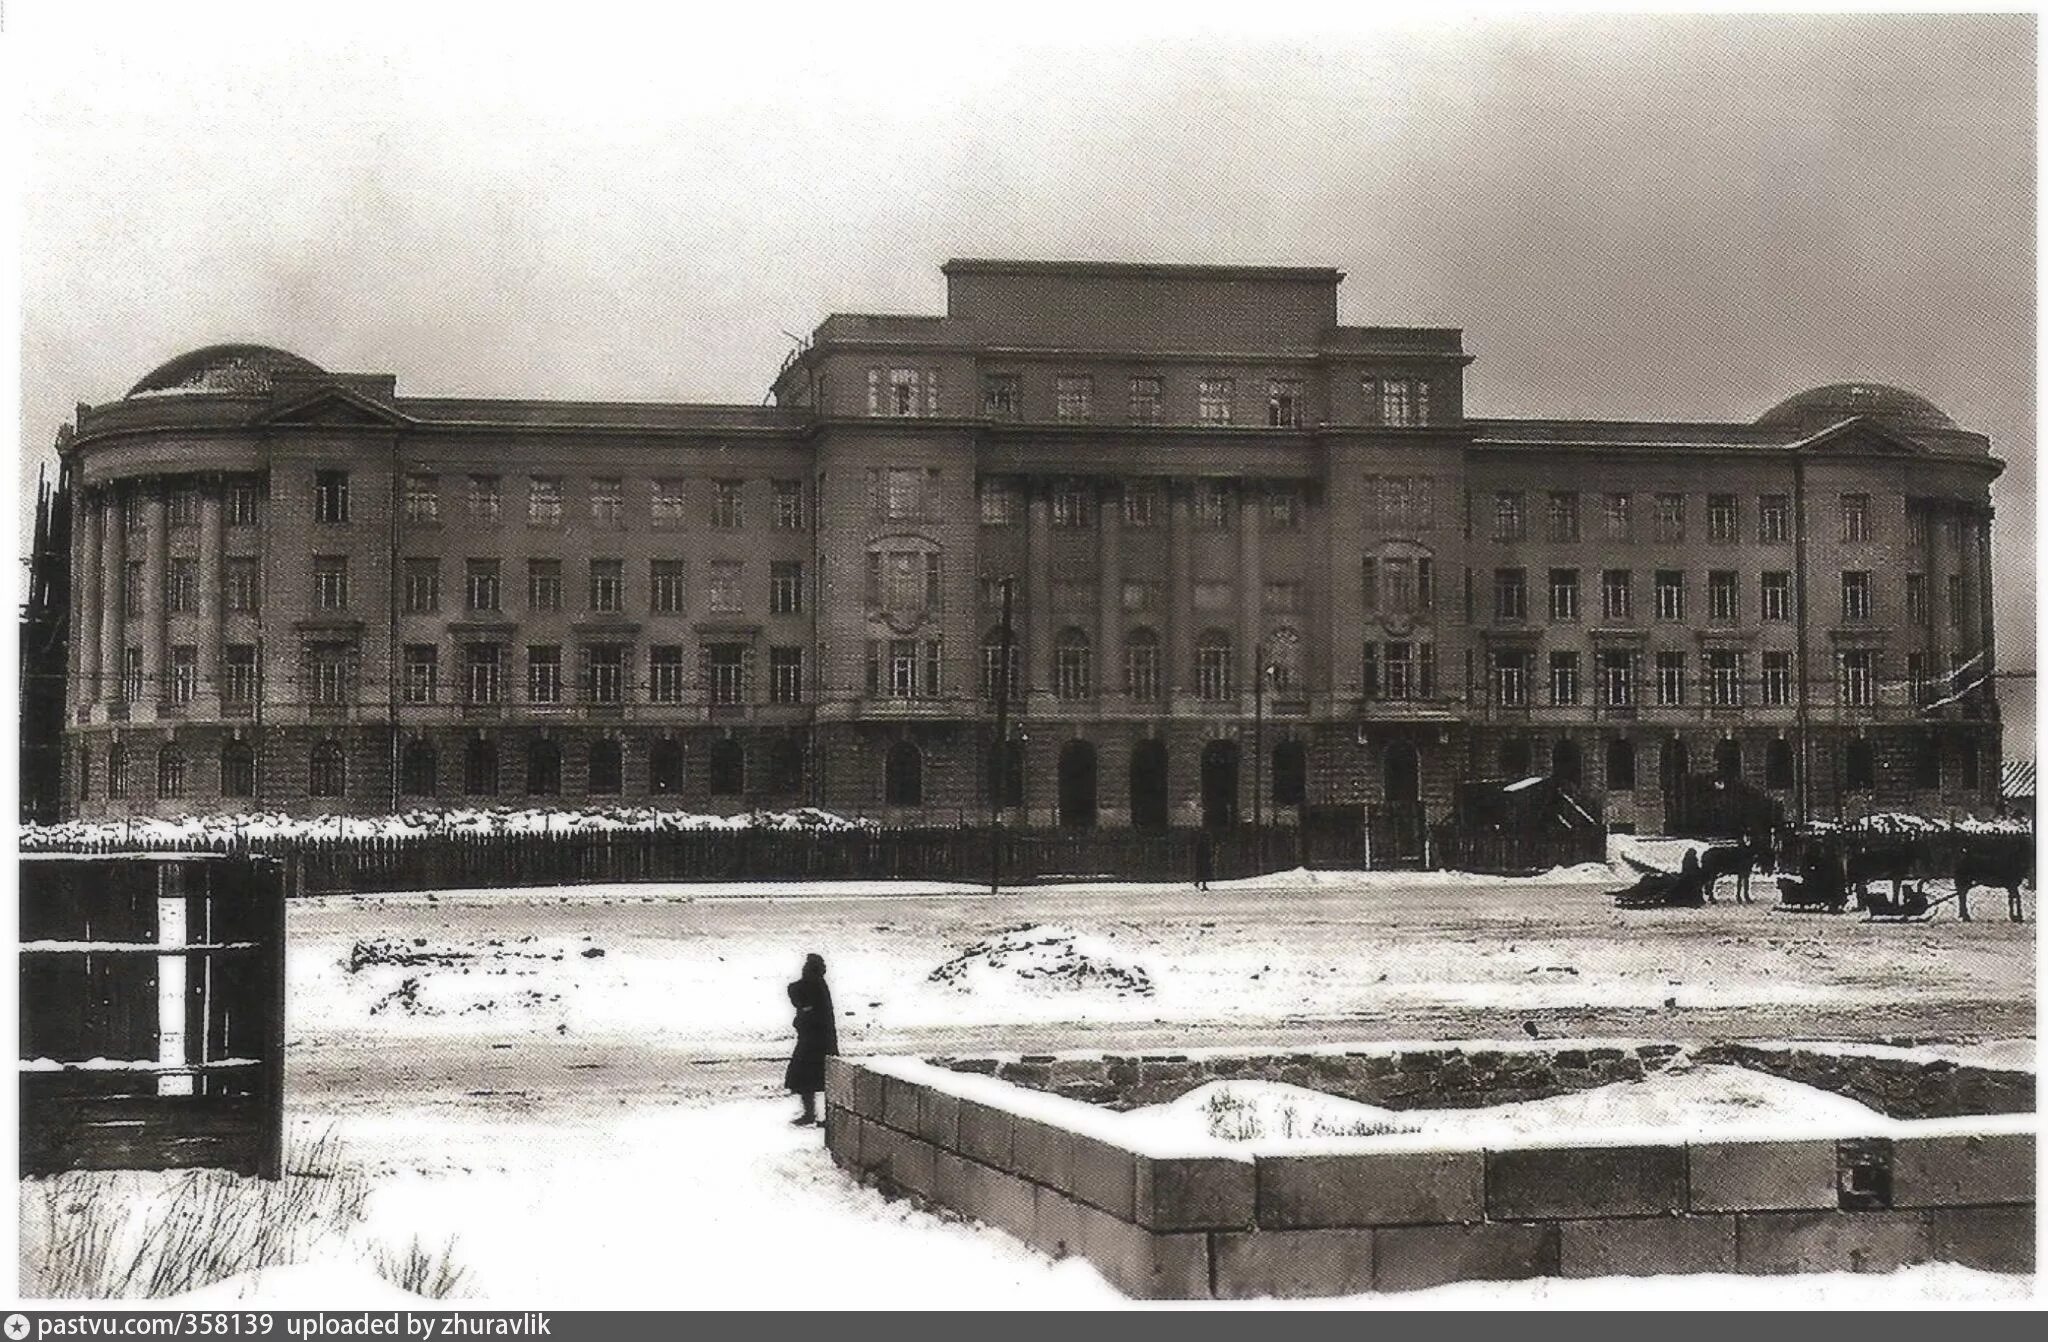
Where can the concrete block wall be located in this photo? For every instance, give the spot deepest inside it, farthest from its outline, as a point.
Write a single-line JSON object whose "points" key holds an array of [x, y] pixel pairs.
{"points": [[1337, 1224]]}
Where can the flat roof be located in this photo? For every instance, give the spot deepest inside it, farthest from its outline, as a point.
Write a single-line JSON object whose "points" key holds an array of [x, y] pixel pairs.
{"points": [[973, 265]]}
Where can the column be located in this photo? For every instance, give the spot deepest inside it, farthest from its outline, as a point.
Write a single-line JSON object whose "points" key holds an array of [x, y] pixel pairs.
{"points": [[1038, 586], [1109, 659], [1987, 617], [86, 583], [1251, 591], [1180, 612], [212, 629], [113, 594], [155, 571]]}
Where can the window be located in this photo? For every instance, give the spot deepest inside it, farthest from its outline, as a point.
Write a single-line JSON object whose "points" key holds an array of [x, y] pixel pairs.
{"points": [[1396, 401], [1141, 505], [416, 768], [1968, 765], [330, 496], [999, 396], [607, 767], [728, 505], [237, 770], [422, 586], [725, 672], [893, 669], [1212, 505], [330, 582], [1407, 676], [728, 768], [665, 675], [1215, 667], [117, 770], [1955, 601], [327, 771], [1073, 395], [239, 587], [543, 583], [1918, 686], [1777, 679], [544, 501], [1773, 518], [1564, 594], [1670, 591], [1916, 600], [422, 673], [1615, 596], [1214, 596], [1507, 515], [482, 665], [992, 659], [1073, 666], [1564, 516], [604, 673], [1859, 766], [786, 587], [1927, 761], [1511, 671], [1283, 508], [1616, 523], [903, 775], [998, 503], [1617, 678], [1372, 585], [241, 503], [1213, 399], [667, 509], [131, 675], [1778, 771], [726, 595], [543, 768], [1072, 504], [1141, 665], [327, 667], [1667, 520], [608, 585], [184, 508], [422, 499], [184, 673], [1721, 595], [789, 505], [1146, 399], [1916, 525], [1399, 503], [1670, 679], [1777, 595], [481, 584], [1724, 678], [665, 586], [1282, 661], [607, 502], [1283, 403], [238, 674], [1621, 765], [1510, 594], [1855, 518], [1855, 597], [1724, 523], [903, 581], [903, 392], [483, 498], [181, 589], [1859, 677], [785, 675], [1284, 597], [1564, 678], [903, 493], [84, 758]]}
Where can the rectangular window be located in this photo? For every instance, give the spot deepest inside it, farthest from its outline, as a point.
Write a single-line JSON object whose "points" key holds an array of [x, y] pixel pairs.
{"points": [[1212, 506], [999, 396], [1617, 679], [483, 498], [1146, 399], [1616, 596], [184, 673], [1859, 677], [727, 596], [544, 501], [1399, 667], [1564, 678], [1285, 597], [1916, 524], [1724, 678], [1671, 679], [330, 582], [131, 588], [1507, 515], [1773, 518], [608, 585], [422, 499], [1283, 508], [725, 673], [665, 677], [1511, 678], [1917, 682], [330, 496], [665, 586], [1141, 505], [1855, 597], [1399, 503], [480, 582], [131, 675], [1215, 672], [327, 667], [1073, 395], [1399, 402], [1777, 679], [184, 508], [1141, 669], [1855, 518], [1670, 590], [904, 393], [789, 505], [1142, 596], [1667, 520], [181, 590], [1564, 594], [422, 673], [991, 660], [1214, 596], [1777, 595], [1916, 600], [786, 588], [728, 506], [1283, 403], [1724, 523], [1510, 594], [998, 503], [422, 586], [1721, 595], [483, 674], [1564, 516], [241, 503], [604, 673], [666, 510], [1073, 504], [1214, 398], [1955, 601], [238, 674], [543, 584], [607, 502], [1616, 520], [785, 675]]}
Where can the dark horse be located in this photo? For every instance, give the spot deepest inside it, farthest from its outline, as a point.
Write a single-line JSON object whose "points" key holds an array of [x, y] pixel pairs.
{"points": [[1740, 860], [1890, 859], [2005, 866]]}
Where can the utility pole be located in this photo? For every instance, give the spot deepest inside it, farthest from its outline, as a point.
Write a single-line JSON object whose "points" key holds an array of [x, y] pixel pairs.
{"points": [[1259, 745], [999, 761]]}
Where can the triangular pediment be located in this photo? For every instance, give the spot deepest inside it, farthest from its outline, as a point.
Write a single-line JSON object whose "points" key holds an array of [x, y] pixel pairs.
{"points": [[1860, 436], [334, 407]]}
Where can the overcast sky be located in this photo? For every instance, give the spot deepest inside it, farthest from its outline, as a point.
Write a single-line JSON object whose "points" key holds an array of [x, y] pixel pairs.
{"points": [[1682, 218]]}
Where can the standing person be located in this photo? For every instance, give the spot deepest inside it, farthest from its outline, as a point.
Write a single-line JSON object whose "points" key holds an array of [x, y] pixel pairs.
{"points": [[817, 1038], [1205, 859]]}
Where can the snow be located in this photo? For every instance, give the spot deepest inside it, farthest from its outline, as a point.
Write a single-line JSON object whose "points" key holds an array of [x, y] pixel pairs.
{"points": [[324, 1283], [131, 1065], [1035, 959], [260, 826]]}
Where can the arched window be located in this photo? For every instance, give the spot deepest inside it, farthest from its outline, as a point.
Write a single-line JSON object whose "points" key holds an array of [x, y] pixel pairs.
{"points": [[665, 767], [1215, 666], [1149, 808], [1283, 661], [1859, 766], [786, 767], [1514, 757], [170, 771], [1073, 665], [327, 771], [903, 775], [480, 767], [728, 768], [1621, 765], [1077, 780], [992, 657], [237, 770], [1290, 773], [543, 768], [1728, 760], [1778, 771], [117, 770], [1141, 665], [607, 767], [1566, 764], [417, 768]]}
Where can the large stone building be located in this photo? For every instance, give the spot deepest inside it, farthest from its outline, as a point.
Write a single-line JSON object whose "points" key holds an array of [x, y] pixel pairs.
{"points": [[1226, 520]]}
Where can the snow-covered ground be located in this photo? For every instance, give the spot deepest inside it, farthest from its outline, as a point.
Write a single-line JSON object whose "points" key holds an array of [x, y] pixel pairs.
{"points": [[416, 824]]}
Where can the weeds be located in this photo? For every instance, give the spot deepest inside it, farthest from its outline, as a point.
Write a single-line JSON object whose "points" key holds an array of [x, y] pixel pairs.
{"points": [[434, 1275], [1237, 1119]]}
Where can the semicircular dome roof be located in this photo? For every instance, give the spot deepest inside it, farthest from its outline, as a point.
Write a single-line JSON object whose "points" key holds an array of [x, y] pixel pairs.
{"points": [[230, 370], [1822, 406]]}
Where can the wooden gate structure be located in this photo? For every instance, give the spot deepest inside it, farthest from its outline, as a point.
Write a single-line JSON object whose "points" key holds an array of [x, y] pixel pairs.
{"points": [[152, 1012]]}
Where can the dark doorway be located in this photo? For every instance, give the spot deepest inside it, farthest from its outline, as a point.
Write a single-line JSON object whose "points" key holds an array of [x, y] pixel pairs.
{"points": [[1006, 773], [1566, 765], [1219, 784], [1148, 784], [728, 768], [903, 775], [544, 769], [1778, 771], [786, 768], [1290, 773], [1403, 769], [665, 768], [607, 767], [1728, 759], [416, 773], [480, 767], [1077, 785], [1514, 757], [1672, 767]]}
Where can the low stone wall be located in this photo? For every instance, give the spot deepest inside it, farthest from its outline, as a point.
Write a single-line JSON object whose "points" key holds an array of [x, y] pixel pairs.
{"points": [[1900, 1087], [1161, 1226]]}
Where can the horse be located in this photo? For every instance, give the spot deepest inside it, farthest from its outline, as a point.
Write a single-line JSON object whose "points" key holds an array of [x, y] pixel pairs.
{"points": [[2005, 866], [1740, 860], [1894, 860]]}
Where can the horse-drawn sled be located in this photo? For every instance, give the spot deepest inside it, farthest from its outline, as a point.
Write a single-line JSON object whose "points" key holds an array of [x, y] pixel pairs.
{"points": [[1694, 883]]}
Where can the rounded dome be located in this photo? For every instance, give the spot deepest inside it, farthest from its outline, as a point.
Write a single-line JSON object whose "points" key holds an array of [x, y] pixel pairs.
{"points": [[230, 370], [1816, 409]]}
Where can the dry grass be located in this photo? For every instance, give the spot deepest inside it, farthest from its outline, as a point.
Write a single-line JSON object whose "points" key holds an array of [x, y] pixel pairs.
{"points": [[1237, 1119], [433, 1274]]}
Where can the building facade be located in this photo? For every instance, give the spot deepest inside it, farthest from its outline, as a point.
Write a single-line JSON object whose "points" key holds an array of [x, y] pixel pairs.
{"points": [[1257, 561]]}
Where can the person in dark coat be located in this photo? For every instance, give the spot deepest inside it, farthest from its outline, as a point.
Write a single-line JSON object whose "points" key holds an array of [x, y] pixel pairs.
{"points": [[1205, 859], [817, 1037]]}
